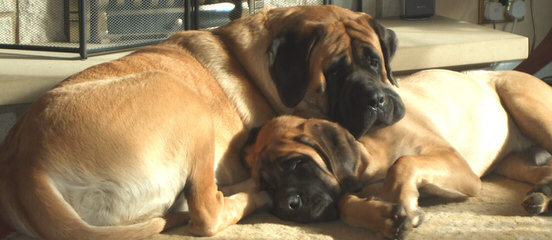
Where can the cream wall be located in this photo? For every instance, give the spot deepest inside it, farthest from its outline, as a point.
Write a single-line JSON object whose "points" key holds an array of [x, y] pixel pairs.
{"points": [[467, 10]]}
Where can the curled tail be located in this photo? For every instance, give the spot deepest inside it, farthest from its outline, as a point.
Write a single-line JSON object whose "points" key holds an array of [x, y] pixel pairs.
{"points": [[48, 216]]}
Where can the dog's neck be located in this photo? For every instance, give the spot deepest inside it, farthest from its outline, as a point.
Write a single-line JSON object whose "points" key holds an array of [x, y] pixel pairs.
{"points": [[253, 35]]}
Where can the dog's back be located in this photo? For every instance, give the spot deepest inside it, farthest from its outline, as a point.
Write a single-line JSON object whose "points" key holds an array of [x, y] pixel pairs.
{"points": [[73, 164], [85, 153]]}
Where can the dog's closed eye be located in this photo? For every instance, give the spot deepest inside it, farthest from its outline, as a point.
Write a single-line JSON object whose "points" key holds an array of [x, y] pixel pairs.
{"points": [[304, 139], [264, 181], [291, 164]]}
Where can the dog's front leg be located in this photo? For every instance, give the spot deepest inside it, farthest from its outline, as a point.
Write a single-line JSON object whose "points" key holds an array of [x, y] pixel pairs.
{"points": [[248, 185], [387, 219], [442, 173]]}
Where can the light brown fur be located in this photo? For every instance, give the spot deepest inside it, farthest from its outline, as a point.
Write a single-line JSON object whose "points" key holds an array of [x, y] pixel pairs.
{"points": [[110, 151], [457, 128]]}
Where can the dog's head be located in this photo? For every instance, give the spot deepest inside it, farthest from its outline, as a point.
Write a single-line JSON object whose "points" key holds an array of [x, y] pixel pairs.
{"points": [[333, 63], [306, 165]]}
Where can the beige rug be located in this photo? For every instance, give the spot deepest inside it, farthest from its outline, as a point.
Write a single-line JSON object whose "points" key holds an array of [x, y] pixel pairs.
{"points": [[495, 214]]}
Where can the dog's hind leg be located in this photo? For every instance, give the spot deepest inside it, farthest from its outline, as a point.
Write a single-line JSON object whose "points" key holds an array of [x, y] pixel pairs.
{"points": [[211, 212], [527, 100], [531, 166], [439, 172], [521, 166]]}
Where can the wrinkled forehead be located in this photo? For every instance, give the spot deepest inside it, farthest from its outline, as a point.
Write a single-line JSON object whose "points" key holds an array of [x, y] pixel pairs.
{"points": [[278, 128], [285, 149], [302, 14], [277, 141], [338, 32], [349, 39]]}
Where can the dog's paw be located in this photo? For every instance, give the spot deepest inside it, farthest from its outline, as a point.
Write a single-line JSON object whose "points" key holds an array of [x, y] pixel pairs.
{"points": [[401, 223], [417, 217], [538, 199], [386, 219], [536, 203]]}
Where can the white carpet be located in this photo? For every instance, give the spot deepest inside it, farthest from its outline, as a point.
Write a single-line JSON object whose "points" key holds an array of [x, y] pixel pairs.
{"points": [[495, 214]]}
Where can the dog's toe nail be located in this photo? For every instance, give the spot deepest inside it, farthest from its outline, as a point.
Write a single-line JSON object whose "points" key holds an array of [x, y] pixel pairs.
{"points": [[418, 218], [402, 223], [399, 212], [535, 203]]}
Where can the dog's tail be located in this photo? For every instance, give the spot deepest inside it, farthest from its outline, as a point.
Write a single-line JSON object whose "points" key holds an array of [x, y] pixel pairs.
{"points": [[48, 216]]}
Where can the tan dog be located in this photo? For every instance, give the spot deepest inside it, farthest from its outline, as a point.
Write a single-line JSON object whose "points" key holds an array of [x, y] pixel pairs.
{"points": [[457, 128], [107, 153]]}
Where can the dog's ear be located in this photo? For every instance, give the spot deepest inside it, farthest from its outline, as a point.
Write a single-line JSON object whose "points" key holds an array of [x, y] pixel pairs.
{"points": [[388, 42], [338, 149], [289, 57], [246, 154]]}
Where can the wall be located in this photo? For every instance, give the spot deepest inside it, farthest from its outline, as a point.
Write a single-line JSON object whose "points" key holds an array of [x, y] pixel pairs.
{"points": [[7, 21], [40, 21], [468, 10], [31, 21]]}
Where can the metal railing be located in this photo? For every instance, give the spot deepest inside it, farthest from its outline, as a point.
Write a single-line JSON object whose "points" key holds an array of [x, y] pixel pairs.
{"points": [[94, 26]]}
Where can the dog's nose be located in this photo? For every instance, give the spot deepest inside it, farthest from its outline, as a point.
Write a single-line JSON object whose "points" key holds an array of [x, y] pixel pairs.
{"points": [[367, 93], [294, 202], [377, 100]]}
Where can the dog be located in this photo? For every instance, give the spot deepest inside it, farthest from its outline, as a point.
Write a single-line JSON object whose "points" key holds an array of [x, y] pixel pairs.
{"points": [[456, 129], [119, 150]]}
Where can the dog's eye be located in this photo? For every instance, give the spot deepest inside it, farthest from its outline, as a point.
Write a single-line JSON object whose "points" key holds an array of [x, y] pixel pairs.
{"points": [[332, 73], [371, 59], [265, 183], [374, 63], [291, 164], [338, 70]]}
